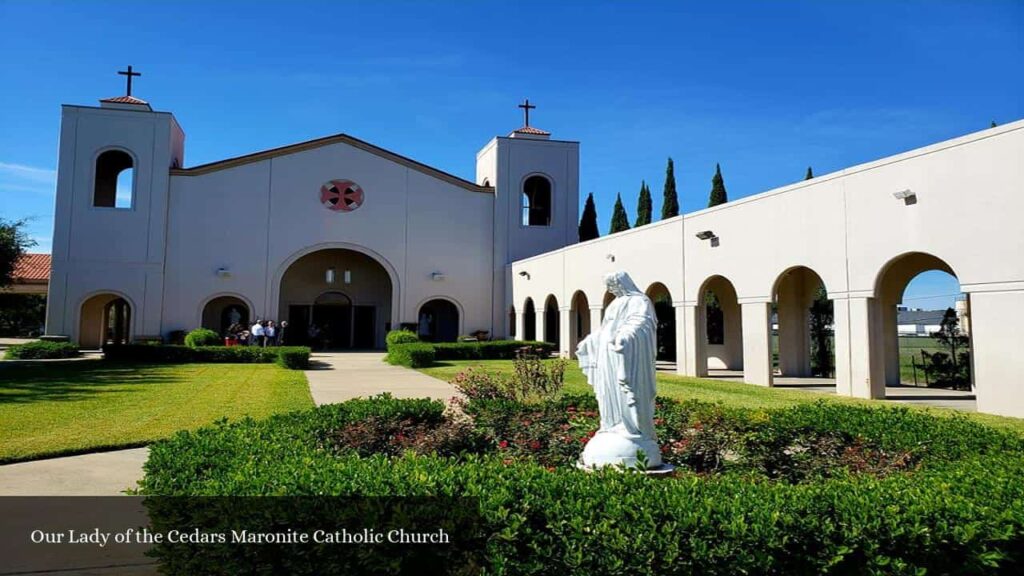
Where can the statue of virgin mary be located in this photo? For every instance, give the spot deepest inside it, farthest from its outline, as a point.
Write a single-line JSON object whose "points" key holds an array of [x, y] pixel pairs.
{"points": [[619, 362]]}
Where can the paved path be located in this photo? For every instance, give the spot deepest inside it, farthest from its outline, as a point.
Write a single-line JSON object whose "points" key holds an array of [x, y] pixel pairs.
{"points": [[334, 377], [338, 376], [97, 474]]}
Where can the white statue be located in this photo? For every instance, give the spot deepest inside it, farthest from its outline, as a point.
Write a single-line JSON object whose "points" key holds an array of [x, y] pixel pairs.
{"points": [[619, 362]]}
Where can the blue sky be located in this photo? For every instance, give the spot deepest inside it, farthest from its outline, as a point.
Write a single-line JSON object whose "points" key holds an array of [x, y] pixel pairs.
{"points": [[764, 88]]}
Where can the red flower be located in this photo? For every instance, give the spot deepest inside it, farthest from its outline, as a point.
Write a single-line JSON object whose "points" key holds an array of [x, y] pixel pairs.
{"points": [[535, 445], [571, 409], [503, 444]]}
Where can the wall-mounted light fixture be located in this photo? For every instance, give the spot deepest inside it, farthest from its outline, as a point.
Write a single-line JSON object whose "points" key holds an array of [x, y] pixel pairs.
{"points": [[223, 272], [909, 197], [437, 276], [331, 275], [525, 274], [705, 235], [610, 257]]}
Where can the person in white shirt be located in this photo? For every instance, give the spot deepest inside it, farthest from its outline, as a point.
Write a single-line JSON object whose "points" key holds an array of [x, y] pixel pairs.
{"points": [[258, 334], [271, 333]]}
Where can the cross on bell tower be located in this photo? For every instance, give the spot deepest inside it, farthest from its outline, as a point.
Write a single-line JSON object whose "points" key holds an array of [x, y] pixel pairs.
{"points": [[129, 73], [526, 106]]}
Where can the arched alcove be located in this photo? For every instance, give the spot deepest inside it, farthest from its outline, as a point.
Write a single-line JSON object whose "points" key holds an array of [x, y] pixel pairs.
{"points": [[529, 320], [222, 312], [579, 318], [104, 318], [662, 299], [114, 180], [438, 321], [720, 327], [552, 328], [804, 339], [536, 201]]}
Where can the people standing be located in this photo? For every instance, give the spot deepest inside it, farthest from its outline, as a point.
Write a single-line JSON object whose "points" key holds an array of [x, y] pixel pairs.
{"points": [[258, 334], [271, 333], [280, 332]]}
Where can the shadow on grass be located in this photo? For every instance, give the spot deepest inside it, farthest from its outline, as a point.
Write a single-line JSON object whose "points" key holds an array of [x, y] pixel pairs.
{"points": [[75, 380]]}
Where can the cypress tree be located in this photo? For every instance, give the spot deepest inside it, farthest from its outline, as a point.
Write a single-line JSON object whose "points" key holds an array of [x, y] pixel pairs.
{"points": [[670, 202], [809, 174], [718, 194], [620, 221], [588, 222], [643, 206]]}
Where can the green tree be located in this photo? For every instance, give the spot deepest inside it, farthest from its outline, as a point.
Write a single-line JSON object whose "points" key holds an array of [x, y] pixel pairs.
{"points": [[13, 244], [822, 315], [620, 221], [810, 174], [718, 194], [643, 206], [670, 201], [588, 222], [950, 369]]}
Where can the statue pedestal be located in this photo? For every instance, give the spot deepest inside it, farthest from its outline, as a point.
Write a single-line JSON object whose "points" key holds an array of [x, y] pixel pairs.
{"points": [[612, 449]]}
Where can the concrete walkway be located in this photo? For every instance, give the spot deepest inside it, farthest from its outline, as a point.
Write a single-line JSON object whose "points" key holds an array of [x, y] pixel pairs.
{"points": [[338, 376], [333, 377], [98, 474]]}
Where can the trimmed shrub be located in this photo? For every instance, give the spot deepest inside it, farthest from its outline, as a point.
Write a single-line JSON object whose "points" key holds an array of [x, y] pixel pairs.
{"points": [[40, 350], [411, 355], [489, 350], [295, 357], [961, 510], [202, 337], [400, 337]]}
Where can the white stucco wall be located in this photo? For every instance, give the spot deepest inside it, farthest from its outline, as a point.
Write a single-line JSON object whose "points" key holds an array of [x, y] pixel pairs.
{"points": [[847, 227]]}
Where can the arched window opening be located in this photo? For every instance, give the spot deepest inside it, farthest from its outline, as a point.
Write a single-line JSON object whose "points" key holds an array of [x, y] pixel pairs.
{"points": [[536, 201], [439, 321], [115, 180]]}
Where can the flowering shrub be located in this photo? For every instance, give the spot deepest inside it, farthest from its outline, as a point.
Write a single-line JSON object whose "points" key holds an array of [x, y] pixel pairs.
{"points": [[532, 378]]}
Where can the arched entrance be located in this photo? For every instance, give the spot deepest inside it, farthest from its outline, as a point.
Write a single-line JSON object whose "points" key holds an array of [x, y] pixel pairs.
{"points": [[222, 312], [608, 297], [804, 315], [104, 319], [438, 321], [579, 318], [906, 349], [529, 321], [512, 323], [720, 327], [662, 300], [336, 298], [551, 324]]}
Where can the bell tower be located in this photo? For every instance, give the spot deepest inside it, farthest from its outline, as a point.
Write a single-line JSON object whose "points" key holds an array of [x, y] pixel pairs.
{"points": [[113, 177], [536, 199]]}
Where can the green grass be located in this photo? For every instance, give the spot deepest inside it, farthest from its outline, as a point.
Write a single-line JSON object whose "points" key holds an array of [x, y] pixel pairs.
{"points": [[717, 391], [910, 351], [64, 408]]}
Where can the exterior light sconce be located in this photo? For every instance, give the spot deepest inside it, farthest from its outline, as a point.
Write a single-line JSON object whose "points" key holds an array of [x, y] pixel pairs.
{"points": [[909, 198], [705, 235], [331, 275], [437, 276], [610, 257], [525, 274], [223, 273]]}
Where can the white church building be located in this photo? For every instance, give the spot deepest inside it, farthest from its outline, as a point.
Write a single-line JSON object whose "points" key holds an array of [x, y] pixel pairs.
{"points": [[357, 240]]}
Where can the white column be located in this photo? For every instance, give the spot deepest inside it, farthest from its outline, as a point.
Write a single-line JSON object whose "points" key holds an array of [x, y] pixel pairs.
{"points": [[540, 324], [681, 331], [997, 338], [565, 326], [860, 371], [757, 343], [520, 325], [694, 341]]}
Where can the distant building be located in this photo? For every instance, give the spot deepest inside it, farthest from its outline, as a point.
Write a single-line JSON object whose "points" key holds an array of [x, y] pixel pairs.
{"points": [[31, 275], [918, 322]]}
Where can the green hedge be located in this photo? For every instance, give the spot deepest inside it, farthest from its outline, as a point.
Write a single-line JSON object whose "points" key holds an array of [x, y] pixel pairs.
{"points": [[487, 350], [295, 357], [400, 337], [961, 512], [411, 355], [40, 350], [202, 337]]}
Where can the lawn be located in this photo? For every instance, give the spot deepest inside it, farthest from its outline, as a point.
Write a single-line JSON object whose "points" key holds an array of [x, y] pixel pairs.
{"points": [[710, 390], [62, 408]]}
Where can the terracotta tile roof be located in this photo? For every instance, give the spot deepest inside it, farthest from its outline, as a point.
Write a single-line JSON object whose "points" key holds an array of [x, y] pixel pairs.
{"points": [[125, 100], [532, 130], [32, 269]]}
